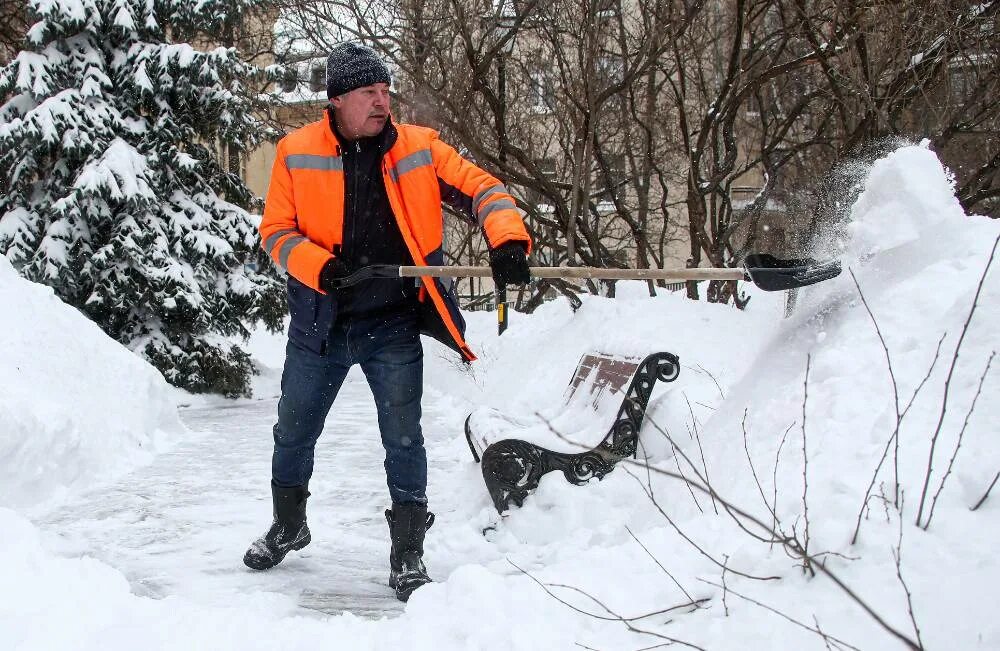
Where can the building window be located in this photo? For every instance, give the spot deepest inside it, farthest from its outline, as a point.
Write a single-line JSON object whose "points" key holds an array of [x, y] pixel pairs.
{"points": [[612, 181], [611, 69], [541, 96], [963, 82], [606, 9], [743, 195], [289, 80], [547, 167], [317, 78]]}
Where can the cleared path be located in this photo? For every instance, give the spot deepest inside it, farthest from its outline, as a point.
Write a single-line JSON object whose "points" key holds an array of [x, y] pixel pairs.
{"points": [[180, 526]]}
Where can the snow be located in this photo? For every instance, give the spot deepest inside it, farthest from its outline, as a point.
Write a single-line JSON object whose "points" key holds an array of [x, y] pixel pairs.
{"points": [[121, 173], [154, 561], [905, 198], [123, 18], [17, 224], [77, 408]]}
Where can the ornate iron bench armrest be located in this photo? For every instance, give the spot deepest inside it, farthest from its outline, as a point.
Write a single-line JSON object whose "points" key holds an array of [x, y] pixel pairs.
{"points": [[512, 468]]}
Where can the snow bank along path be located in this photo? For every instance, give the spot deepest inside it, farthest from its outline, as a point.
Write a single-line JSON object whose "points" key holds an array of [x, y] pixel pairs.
{"points": [[76, 408]]}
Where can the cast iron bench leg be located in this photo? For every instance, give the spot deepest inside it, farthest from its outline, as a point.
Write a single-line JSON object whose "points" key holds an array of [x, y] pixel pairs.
{"points": [[513, 468]]}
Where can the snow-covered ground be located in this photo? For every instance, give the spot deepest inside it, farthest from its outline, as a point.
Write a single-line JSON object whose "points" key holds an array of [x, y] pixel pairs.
{"points": [[152, 559]]}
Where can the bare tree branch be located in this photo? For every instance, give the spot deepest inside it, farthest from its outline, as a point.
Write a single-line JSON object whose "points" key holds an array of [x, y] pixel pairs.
{"points": [[816, 630], [958, 441], [947, 387], [982, 499], [612, 616]]}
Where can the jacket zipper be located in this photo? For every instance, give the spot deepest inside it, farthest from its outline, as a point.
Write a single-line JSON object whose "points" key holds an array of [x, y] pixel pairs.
{"points": [[351, 203]]}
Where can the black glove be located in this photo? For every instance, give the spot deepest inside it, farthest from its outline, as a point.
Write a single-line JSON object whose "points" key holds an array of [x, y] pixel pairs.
{"points": [[510, 264], [332, 271]]}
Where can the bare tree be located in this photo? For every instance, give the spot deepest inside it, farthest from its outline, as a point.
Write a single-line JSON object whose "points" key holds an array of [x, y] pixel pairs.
{"points": [[13, 26], [626, 127], [924, 69], [741, 112]]}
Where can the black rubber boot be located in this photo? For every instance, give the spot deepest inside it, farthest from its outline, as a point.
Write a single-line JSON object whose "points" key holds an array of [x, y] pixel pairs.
{"points": [[288, 532], [408, 522]]}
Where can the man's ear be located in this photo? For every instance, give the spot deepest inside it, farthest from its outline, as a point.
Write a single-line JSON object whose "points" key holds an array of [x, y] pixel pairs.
{"points": [[336, 102]]}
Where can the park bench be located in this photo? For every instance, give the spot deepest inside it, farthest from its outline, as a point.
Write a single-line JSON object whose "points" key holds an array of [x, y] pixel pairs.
{"points": [[596, 426]]}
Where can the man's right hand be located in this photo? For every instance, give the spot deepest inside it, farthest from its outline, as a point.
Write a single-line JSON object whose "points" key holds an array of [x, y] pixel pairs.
{"points": [[332, 271], [510, 264]]}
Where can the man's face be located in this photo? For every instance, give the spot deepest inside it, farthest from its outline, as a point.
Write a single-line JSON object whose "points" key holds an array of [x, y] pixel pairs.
{"points": [[362, 112]]}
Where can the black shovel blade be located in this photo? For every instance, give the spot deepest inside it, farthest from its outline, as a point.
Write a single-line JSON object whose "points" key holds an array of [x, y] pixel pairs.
{"points": [[774, 274]]}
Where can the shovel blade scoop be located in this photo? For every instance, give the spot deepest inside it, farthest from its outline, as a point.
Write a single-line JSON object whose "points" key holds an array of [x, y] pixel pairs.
{"points": [[775, 274]]}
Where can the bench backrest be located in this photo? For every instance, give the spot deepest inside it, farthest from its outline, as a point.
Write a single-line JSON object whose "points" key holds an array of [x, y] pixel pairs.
{"points": [[602, 377]]}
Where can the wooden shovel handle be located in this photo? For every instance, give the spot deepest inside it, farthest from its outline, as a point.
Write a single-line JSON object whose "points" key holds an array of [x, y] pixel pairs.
{"points": [[581, 272]]}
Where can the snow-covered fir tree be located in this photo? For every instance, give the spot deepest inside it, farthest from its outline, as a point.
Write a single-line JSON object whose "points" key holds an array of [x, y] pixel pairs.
{"points": [[110, 188]]}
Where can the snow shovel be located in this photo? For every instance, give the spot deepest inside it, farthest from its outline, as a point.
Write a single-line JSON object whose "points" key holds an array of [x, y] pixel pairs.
{"points": [[763, 270]]}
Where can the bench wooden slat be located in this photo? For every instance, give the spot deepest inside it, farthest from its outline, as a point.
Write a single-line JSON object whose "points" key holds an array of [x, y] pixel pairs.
{"points": [[603, 373]]}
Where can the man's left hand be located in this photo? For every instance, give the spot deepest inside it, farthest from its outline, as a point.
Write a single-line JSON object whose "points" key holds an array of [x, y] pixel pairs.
{"points": [[335, 269], [509, 262]]}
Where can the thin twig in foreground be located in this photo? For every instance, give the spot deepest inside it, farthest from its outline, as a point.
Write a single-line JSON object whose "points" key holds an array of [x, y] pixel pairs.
{"points": [[791, 545], [784, 616], [826, 638], [701, 451], [681, 472], [987, 493], [618, 618], [898, 556], [958, 442], [805, 473], [657, 561], [753, 470], [722, 394], [885, 452], [679, 531], [895, 387], [725, 606], [947, 384], [774, 475]]}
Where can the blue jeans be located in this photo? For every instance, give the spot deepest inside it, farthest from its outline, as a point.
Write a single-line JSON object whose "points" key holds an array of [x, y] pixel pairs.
{"points": [[389, 351]]}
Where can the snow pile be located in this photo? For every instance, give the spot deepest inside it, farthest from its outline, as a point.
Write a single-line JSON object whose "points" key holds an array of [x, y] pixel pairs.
{"points": [[742, 415], [77, 407], [907, 195], [524, 374], [918, 261]]}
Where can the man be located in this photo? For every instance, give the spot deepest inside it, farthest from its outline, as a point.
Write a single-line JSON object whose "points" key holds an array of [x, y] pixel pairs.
{"points": [[352, 190]]}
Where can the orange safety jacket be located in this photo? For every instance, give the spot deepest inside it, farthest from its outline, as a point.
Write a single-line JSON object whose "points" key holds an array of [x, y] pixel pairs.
{"points": [[304, 218]]}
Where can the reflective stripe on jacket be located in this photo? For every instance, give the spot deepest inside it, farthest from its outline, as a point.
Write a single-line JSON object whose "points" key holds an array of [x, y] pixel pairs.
{"points": [[304, 217]]}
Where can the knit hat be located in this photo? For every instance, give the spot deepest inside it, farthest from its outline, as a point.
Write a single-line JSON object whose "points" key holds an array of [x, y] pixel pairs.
{"points": [[351, 66]]}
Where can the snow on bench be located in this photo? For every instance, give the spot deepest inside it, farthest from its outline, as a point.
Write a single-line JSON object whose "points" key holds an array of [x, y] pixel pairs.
{"points": [[595, 427]]}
